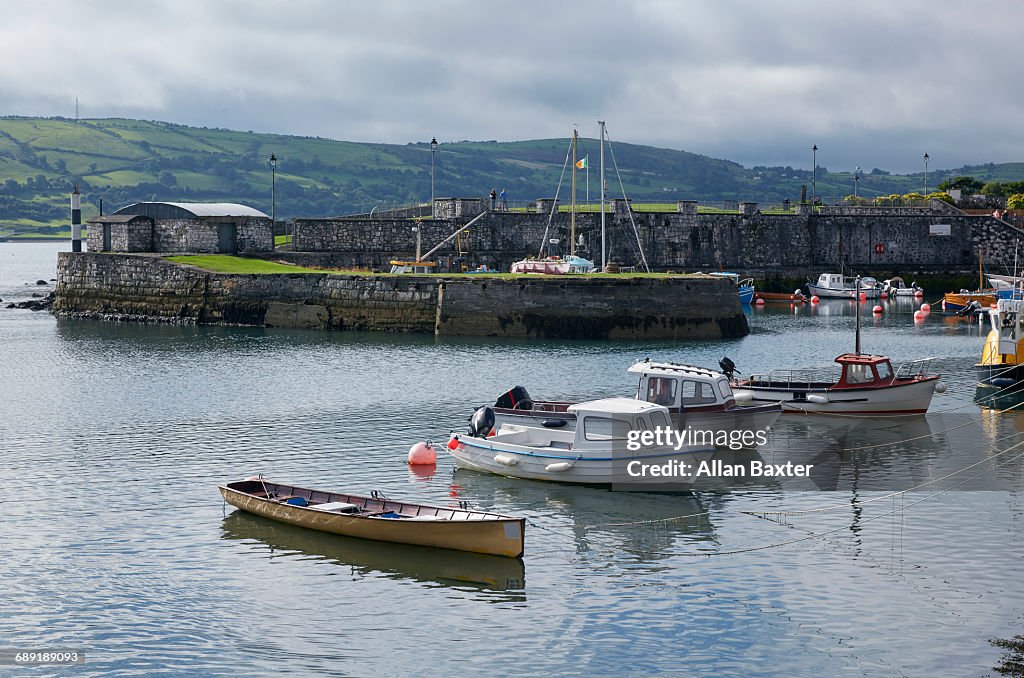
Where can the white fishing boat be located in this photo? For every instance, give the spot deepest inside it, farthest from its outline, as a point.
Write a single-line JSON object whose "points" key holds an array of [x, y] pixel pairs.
{"points": [[839, 286], [604, 449], [696, 397], [895, 287], [866, 384]]}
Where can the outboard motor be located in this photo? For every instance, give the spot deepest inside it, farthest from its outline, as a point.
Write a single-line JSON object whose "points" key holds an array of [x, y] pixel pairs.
{"points": [[728, 366], [482, 421], [970, 309], [515, 399]]}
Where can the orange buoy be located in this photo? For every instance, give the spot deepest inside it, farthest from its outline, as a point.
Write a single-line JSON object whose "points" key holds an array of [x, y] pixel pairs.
{"points": [[453, 443], [815, 299], [423, 454], [926, 307], [877, 310]]}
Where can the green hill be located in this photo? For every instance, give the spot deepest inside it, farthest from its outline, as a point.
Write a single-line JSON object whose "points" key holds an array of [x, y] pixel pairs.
{"points": [[124, 161]]}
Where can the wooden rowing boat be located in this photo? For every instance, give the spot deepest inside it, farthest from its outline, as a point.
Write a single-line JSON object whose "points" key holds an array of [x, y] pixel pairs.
{"points": [[783, 297], [379, 518]]}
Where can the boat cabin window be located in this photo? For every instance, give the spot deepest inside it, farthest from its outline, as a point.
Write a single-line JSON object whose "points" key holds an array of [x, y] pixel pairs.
{"points": [[884, 371], [859, 374], [661, 391], [724, 388], [660, 420], [604, 428], [697, 393]]}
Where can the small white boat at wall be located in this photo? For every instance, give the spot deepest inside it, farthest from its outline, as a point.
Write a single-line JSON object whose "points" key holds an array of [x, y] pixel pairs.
{"points": [[595, 452], [554, 265], [838, 286]]}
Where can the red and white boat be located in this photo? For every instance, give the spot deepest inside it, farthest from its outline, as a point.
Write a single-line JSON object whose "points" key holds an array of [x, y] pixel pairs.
{"points": [[867, 384]]}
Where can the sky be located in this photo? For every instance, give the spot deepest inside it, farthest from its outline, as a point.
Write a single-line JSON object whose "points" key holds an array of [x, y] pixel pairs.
{"points": [[872, 83]]}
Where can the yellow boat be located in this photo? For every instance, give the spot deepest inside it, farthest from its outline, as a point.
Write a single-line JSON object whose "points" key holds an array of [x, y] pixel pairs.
{"points": [[379, 518]]}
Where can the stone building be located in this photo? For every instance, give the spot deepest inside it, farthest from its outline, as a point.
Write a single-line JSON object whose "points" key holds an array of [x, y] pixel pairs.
{"points": [[181, 227]]}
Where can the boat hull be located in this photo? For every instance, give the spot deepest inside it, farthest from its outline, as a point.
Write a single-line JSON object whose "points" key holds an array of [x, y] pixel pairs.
{"points": [[746, 294], [910, 397], [758, 417], [780, 297], [953, 301], [1008, 377], [831, 293], [457, 530], [513, 461]]}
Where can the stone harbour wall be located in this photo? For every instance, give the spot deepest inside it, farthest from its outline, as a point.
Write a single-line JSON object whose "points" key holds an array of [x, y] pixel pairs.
{"points": [[149, 288], [881, 240]]}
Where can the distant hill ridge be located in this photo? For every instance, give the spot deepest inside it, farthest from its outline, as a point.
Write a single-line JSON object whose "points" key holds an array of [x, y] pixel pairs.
{"points": [[122, 161]]}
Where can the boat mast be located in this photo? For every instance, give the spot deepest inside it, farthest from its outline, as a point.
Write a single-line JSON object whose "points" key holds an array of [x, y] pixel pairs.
{"points": [[604, 248], [857, 301], [572, 207]]}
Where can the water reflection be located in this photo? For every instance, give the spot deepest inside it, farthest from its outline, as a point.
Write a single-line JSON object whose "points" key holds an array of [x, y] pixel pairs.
{"points": [[397, 561]]}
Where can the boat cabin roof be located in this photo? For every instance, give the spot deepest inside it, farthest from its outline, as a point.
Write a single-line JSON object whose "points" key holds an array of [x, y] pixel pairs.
{"points": [[861, 359], [613, 406], [673, 369]]}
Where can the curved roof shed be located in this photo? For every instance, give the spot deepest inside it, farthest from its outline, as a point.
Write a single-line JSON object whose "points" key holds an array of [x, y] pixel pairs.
{"points": [[187, 210]]}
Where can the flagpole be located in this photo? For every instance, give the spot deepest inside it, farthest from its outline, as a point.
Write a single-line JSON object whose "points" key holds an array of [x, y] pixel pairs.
{"points": [[604, 249]]}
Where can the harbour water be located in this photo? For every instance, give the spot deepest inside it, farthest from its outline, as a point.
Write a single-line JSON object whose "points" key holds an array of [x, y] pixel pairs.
{"points": [[114, 437]]}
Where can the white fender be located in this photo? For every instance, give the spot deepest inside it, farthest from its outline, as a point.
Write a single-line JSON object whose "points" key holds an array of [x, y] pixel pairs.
{"points": [[940, 387], [505, 460], [558, 467], [817, 399], [743, 396]]}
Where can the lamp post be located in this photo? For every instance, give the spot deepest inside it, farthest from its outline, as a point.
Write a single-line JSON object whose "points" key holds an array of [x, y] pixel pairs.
{"points": [[926, 174], [814, 174], [433, 149], [856, 182], [273, 194]]}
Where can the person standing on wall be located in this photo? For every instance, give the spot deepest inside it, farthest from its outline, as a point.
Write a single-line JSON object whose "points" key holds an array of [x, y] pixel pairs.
{"points": [[494, 196], [504, 202]]}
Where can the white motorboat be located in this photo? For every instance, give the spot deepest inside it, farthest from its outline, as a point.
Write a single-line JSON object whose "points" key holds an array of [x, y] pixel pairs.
{"points": [[554, 265], [895, 287], [607, 448], [839, 286], [696, 397]]}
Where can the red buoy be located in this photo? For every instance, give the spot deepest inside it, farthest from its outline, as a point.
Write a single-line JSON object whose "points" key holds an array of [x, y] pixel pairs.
{"points": [[815, 299], [926, 307], [453, 443], [863, 296], [877, 310], [760, 302], [422, 454]]}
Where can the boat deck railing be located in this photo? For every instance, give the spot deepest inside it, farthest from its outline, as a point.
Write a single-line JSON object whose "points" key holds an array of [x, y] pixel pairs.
{"points": [[915, 368], [796, 378]]}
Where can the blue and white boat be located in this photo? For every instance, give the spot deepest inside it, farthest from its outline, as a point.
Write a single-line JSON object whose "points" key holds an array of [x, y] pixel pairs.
{"points": [[745, 286]]}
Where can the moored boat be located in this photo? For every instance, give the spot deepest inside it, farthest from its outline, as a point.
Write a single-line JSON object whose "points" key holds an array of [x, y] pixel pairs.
{"points": [[604, 450], [895, 287], [797, 297], [379, 518], [696, 397], [744, 286], [838, 286], [867, 384], [1002, 357]]}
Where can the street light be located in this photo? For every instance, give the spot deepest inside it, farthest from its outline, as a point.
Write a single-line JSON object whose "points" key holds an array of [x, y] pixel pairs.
{"points": [[856, 181], [433, 149], [814, 173], [926, 174], [273, 194]]}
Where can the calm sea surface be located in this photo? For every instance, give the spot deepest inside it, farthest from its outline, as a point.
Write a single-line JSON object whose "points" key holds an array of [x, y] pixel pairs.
{"points": [[115, 542]]}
